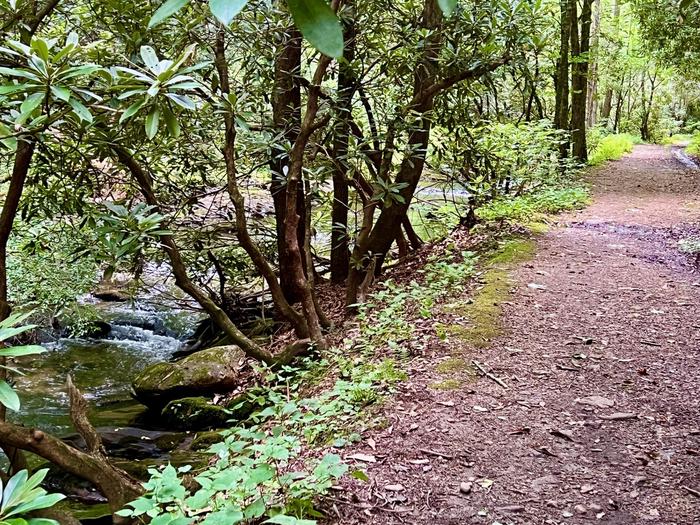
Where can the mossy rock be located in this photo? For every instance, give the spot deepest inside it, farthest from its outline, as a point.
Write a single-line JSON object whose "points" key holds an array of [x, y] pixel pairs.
{"points": [[198, 413], [202, 373], [203, 440]]}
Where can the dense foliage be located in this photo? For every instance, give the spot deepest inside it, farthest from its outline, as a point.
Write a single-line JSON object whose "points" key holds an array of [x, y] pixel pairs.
{"points": [[297, 147]]}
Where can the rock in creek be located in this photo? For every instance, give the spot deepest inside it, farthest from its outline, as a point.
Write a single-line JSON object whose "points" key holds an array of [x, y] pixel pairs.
{"points": [[205, 372], [198, 413]]}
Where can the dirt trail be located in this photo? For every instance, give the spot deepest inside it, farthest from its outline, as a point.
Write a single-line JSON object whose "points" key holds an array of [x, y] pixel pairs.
{"points": [[600, 422]]}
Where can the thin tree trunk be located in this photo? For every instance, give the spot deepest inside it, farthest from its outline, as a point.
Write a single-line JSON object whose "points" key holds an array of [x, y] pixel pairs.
{"points": [[286, 118], [340, 253], [229, 150], [561, 88], [580, 46]]}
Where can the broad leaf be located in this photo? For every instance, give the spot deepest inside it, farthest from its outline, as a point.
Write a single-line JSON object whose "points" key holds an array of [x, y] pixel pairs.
{"points": [[447, 6], [80, 110], [8, 397], [169, 8], [319, 25], [226, 10], [152, 122]]}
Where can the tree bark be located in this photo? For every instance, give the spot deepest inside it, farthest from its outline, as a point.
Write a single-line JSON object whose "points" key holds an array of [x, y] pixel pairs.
{"points": [[251, 248], [286, 118], [580, 47], [340, 252], [561, 88]]}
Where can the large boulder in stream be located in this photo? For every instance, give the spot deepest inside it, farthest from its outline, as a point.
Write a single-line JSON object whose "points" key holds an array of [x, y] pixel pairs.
{"points": [[203, 373]]}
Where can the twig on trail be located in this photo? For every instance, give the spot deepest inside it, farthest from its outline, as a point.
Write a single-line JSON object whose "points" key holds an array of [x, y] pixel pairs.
{"points": [[694, 492], [489, 374], [435, 453], [649, 343]]}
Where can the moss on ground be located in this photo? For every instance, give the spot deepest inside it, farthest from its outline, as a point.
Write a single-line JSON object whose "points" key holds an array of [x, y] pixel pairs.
{"points": [[482, 311]]}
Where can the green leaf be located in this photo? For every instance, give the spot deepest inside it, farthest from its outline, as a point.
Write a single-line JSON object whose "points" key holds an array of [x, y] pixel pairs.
{"points": [[169, 8], [226, 10], [149, 57], [171, 122], [152, 122], [319, 25], [447, 6], [80, 110], [131, 110], [358, 474], [61, 93], [8, 397], [13, 88], [182, 101], [17, 351]]}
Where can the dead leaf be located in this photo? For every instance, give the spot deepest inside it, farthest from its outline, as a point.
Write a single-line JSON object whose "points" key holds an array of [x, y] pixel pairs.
{"points": [[564, 434], [595, 401], [367, 458], [372, 444], [395, 488]]}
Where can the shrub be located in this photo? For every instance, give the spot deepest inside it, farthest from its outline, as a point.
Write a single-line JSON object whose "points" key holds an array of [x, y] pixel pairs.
{"points": [[694, 146], [611, 147]]}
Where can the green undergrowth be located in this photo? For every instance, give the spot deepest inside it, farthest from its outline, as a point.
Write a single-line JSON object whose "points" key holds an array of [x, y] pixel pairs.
{"points": [[273, 467], [533, 208], [679, 138], [693, 147], [611, 147]]}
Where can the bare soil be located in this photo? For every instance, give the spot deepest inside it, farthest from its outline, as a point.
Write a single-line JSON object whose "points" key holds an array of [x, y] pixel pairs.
{"points": [[599, 419]]}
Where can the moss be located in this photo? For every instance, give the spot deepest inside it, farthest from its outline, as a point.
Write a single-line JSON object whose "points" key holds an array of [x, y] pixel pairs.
{"points": [[453, 364], [203, 440], [447, 384], [513, 251], [537, 227], [484, 310]]}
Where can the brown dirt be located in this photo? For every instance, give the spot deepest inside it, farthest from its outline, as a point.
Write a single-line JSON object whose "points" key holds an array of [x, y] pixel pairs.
{"points": [[614, 314]]}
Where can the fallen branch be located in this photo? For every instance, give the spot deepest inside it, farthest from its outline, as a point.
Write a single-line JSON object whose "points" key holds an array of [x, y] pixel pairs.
{"points": [[488, 374]]}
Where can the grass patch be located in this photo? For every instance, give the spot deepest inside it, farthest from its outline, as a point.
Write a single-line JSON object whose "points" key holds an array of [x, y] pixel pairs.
{"points": [[678, 138], [533, 207], [611, 147]]}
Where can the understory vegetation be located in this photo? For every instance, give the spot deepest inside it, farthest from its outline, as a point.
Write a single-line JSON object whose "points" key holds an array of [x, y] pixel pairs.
{"points": [[245, 218]]}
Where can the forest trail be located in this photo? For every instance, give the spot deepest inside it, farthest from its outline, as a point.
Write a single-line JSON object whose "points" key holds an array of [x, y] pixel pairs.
{"points": [[600, 421]]}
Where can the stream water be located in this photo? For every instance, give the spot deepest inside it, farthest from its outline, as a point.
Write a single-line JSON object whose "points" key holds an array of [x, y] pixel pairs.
{"points": [[102, 368]]}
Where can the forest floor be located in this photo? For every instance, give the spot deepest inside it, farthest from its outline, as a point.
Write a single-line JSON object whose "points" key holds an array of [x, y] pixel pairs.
{"points": [[597, 416]]}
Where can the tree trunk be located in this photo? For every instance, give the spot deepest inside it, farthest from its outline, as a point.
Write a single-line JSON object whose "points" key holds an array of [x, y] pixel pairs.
{"points": [[286, 118], [561, 88], [20, 169], [229, 150], [592, 95], [580, 46], [384, 232], [340, 253]]}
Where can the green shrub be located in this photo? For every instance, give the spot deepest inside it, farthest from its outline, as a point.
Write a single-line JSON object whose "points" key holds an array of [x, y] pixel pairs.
{"points": [[694, 146], [23, 495], [526, 207], [678, 138], [611, 147]]}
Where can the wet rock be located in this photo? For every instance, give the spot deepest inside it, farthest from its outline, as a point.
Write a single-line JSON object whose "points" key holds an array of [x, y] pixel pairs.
{"points": [[203, 440], [111, 294], [201, 373], [198, 413], [133, 443]]}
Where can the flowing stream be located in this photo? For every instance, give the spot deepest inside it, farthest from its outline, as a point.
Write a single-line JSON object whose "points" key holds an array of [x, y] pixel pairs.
{"points": [[102, 368]]}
